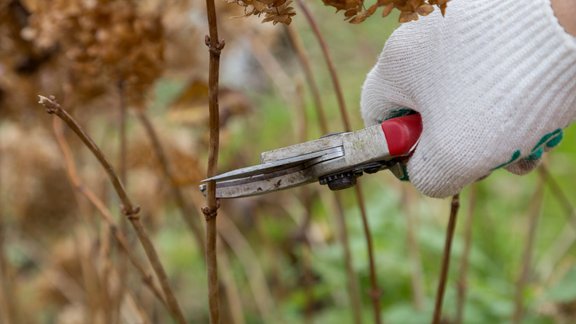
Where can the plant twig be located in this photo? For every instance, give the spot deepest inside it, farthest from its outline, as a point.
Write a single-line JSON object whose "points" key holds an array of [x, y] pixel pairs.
{"points": [[128, 208], [7, 294], [306, 67], [230, 234], [123, 173], [454, 206], [231, 288], [526, 269], [104, 212], [375, 292], [463, 271], [329, 63], [353, 290], [559, 194], [189, 215], [215, 46], [413, 250]]}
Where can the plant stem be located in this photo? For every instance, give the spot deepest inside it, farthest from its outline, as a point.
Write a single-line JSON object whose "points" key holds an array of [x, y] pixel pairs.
{"points": [[231, 289], [559, 194], [353, 290], [526, 269], [189, 215], [413, 250], [454, 206], [463, 271], [375, 291], [8, 296], [123, 172], [329, 64], [306, 67], [215, 47], [104, 212], [129, 210]]}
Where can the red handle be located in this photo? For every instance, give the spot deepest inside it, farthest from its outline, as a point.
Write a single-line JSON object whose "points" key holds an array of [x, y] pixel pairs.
{"points": [[402, 133]]}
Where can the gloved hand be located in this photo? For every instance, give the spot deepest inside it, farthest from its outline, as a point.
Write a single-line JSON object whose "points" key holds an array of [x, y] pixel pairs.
{"points": [[494, 81]]}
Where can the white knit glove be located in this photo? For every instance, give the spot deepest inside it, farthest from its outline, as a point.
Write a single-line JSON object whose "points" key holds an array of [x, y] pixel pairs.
{"points": [[494, 81]]}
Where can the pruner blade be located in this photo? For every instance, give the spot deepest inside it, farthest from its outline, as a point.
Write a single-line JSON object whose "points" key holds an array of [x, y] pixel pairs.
{"points": [[336, 160]]}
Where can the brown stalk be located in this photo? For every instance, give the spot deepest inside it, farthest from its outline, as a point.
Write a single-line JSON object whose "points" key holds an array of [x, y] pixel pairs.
{"points": [[375, 292], [7, 293], [304, 60], [559, 194], [104, 212], [189, 215], [128, 208], [123, 149], [329, 63], [231, 288], [413, 250], [526, 269], [253, 270], [272, 67], [566, 239], [454, 206], [352, 282], [123, 171], [353, 290], [215, 47], [463, 271]]}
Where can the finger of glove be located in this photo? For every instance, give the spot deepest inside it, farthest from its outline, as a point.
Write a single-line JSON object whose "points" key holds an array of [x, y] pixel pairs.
{"points": [[452, 153], [381, 98], [523, 166], [529, 163]]}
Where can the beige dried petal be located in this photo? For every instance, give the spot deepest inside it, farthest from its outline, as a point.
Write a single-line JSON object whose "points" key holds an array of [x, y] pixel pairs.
{"points": [[425, 10]]}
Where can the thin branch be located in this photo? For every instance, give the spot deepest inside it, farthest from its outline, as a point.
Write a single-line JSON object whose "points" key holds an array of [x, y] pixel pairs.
{"points": [[454, 206], [463, 271], [215, 47], [353, 290], [306, 67], [123, 171], [123, 147], [526, 269], [231, 289], [8, 297], [129, 209], [229, 233], [189, 215], [104, 212], [329, 63], [375, 292], [566, 239], [352, 281], [559, 194], [413, 250]]}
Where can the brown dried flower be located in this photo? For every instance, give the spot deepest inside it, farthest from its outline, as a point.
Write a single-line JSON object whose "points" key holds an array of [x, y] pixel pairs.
{"points": [[356, 12], [275, 11], [103, 42]]}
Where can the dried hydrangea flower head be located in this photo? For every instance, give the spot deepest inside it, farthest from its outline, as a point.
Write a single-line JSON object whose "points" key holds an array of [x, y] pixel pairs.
{"points": [[275, 11], [103, 42], [355, 11]]}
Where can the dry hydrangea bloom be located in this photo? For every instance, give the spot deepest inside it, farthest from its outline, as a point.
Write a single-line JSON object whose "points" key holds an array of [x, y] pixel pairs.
{"points": [[275, 11], [355, 11], [102, 42]]}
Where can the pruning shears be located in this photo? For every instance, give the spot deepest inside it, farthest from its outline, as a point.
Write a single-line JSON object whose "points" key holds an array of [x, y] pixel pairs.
{"points": [[335, 160]]}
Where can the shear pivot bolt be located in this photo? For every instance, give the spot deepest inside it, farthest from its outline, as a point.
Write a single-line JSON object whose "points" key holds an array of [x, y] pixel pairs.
{"points": [[340, 181]]}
